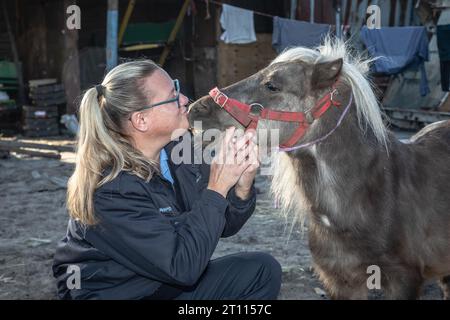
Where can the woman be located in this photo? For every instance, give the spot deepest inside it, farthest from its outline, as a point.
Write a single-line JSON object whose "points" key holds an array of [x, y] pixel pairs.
{"points": [[143, 227]]}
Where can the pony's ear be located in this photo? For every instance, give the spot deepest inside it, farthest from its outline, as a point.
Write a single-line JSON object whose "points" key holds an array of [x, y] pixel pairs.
{"points": [[325, 74]]}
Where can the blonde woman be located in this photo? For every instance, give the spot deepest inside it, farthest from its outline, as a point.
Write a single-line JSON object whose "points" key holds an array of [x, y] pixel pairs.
{"points": [[142, 227]]}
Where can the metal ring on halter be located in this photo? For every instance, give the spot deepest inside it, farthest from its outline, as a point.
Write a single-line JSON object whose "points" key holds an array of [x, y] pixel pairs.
{"points": [[332, 93], [256, 109], [309, 117], [216, 99]]}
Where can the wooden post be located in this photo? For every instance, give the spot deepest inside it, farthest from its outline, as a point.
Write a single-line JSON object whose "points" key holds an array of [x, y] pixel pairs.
{"points": [[70, 75], [408, 13], [337, 8], [111, 34], [293, 9], [189, 56], [17, 63]]}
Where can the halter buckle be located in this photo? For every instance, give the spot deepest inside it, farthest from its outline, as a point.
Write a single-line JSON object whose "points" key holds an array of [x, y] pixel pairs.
{"points": [[219, 95]]}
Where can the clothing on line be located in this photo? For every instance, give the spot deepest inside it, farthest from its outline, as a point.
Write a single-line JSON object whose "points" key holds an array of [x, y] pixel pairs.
{"points": [[291, 33], [398, 49], [238, 25]]}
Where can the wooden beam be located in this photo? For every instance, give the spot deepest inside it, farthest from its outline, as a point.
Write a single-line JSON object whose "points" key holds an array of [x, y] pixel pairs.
{"points": [[19, 144], [138, 47], [126, 18], [32, 153], [174, 32]]}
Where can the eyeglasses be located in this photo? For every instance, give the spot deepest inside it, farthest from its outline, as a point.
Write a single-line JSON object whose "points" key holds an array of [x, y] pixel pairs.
{"points": [[176, 85]]}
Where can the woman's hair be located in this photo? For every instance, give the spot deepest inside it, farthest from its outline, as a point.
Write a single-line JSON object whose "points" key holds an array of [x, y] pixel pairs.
{"points": [[103, 148]]}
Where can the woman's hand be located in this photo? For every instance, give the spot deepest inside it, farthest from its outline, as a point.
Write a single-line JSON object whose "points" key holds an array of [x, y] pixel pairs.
{"points": [[230, 162], [245, 182]]}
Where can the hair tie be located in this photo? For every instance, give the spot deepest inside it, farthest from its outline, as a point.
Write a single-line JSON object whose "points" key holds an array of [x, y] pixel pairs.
{"points": [[99, 89]]}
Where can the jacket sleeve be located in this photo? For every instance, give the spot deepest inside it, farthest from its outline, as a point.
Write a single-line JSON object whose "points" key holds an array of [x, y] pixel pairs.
{"points": [[175, 250], [238, 212]]}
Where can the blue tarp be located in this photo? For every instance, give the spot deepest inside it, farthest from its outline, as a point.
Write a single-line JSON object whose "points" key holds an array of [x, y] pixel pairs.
{"points": [[291, 33], [398, 49]]}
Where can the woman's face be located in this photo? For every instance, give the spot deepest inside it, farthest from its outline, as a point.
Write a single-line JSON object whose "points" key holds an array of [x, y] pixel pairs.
{"points": [[167, 119]]}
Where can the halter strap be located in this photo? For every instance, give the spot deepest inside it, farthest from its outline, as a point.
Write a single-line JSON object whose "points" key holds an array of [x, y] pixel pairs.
{"points": [[249, 115]]}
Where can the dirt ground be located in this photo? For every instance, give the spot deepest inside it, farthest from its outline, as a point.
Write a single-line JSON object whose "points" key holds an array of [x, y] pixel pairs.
{"points": [[33, 218]]}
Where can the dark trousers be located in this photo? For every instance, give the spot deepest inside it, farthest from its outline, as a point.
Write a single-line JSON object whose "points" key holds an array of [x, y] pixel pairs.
{"points": [[241, 276]]}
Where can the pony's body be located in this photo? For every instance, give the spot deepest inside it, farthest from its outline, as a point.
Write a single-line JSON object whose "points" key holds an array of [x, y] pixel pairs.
{"points": [[369, 199], [366, 207]]}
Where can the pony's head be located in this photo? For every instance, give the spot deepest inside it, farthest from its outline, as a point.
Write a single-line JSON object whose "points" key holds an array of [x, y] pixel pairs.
{"points": [[296, 81]]}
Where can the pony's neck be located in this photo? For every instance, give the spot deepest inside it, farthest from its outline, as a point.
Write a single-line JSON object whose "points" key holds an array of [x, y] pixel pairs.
{"points": [[330, 172]]}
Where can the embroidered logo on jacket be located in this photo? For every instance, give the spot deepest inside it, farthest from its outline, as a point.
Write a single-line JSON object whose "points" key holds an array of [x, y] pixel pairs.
{"points": [[165, 210]]}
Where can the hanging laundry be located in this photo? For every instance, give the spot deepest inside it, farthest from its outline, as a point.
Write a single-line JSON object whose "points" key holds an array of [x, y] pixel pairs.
{"points": [[397, 49], [293, 33], [238, 25], [443, 42]]}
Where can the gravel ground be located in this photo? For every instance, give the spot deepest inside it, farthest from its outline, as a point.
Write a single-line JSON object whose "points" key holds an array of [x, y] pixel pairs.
{"points": [[33, 219]]}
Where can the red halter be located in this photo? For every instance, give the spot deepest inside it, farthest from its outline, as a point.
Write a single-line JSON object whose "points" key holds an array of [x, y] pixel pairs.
{"points": [[249, 115]]}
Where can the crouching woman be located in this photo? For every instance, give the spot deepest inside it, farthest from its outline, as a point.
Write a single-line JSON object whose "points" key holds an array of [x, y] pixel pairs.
{"points": [[142, 226]]}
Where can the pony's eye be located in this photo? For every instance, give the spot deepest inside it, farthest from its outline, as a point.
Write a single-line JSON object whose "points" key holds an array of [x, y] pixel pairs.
{"points": [[271, 87]]}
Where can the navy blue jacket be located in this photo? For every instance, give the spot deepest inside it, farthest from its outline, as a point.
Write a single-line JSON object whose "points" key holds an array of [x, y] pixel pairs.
{"points": [[149, 234]]}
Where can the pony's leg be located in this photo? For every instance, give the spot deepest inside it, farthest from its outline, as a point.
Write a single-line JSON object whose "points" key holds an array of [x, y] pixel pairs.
{"points": [[343, 291], [403, 286], [339, 289], [445, 285]]}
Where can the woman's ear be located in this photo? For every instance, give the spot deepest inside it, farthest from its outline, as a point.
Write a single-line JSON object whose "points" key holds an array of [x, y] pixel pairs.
{"points": [[325, 73], [140, 121]]}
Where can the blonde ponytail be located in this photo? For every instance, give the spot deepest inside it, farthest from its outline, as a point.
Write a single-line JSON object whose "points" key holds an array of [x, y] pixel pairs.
{"points": [[102, 143]]}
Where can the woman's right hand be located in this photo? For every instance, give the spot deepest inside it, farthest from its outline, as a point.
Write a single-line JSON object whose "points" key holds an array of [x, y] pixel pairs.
{"points": [[230, 162]]}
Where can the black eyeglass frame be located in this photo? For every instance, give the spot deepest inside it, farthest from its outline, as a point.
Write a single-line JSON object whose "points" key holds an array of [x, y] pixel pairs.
{"points": [[176, 85]]}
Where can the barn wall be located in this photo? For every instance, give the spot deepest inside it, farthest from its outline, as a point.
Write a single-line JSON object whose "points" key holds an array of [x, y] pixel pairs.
{"points": [[237, 61]]}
